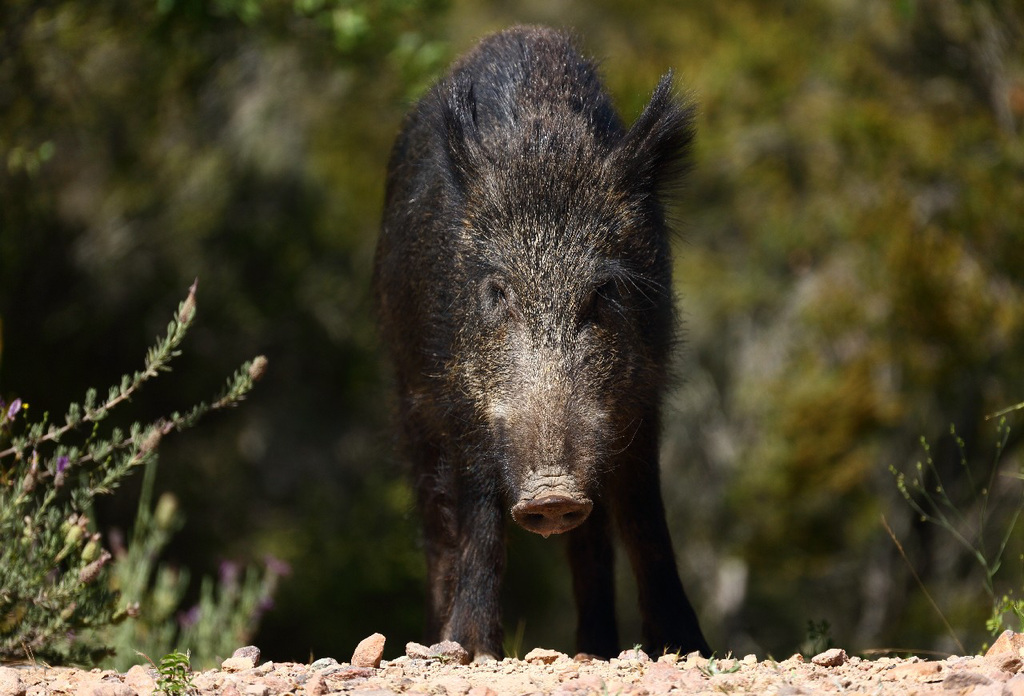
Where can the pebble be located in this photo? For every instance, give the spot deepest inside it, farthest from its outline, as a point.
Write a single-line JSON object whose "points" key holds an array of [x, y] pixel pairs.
{"points": [[237, 664], [249, 651], [1015, 686], [450, 650], [921, 671], [1008, 643], [369, 651], [347, 673], [324, 664], [634, 655], [10, 683], [830, 658], [481, 691], [962, 680], [454, 686], [103, 688], [316, 686], [140, 679], [542, 656], [417, 651]]}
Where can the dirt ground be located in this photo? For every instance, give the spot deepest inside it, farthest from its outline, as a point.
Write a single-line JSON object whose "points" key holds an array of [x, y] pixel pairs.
{"points": [[439, 670]]}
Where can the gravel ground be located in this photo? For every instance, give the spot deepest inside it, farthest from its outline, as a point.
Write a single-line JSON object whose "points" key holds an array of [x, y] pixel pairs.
{"points": [[439, 670]]}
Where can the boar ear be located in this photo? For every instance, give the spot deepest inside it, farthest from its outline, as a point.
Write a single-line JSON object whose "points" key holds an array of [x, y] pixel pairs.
{"points": [[459, 132], [655, 153]]}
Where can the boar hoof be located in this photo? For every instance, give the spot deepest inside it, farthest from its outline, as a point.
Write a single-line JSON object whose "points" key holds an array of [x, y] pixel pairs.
{"points": [[551, 514]]}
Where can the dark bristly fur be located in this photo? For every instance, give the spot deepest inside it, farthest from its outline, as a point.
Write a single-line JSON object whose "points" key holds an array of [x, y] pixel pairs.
{"points": [[523, 288]]}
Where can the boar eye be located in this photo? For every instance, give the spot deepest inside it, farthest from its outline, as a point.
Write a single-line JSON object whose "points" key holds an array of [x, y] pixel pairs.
{"points": [[597, 303], [494, 299]]}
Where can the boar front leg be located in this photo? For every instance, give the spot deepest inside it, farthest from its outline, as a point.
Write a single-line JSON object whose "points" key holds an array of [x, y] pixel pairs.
{"points": [[466, 560]]}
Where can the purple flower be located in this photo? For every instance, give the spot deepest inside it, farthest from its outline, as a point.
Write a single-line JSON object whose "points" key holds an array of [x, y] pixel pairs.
{"points": [[276, 566], [62, 466], [228, 573], [187, 619], [12, 411]]}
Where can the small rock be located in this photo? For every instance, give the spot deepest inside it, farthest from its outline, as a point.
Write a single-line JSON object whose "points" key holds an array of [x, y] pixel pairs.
{"points": [[695, 661], [585, 657], [663, 677], [139, 678], [10, 683], [634, 655], [453, 686], [726, 665], [1016, 685], [994, 689], [276, 684], [324, 663], [256, 690], [103, 688], [542, 656], [250, 651], [417, 651], [369, 651], [961, 680], [316, 685], [830, 658], [230, 689], [481, 691], [237, 664], [1011, 664], [668, 659], [347, 673], [207, 681], [922, 671], [449, 650], [790, 690]]}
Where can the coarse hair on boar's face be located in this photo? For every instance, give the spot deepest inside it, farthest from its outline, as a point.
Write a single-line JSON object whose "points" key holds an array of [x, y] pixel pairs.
{"points": [[523, 287]]}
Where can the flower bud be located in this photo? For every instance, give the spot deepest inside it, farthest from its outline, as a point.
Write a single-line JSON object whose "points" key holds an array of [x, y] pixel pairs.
{"points": [[166, 511], [91, 549], [257, 367], [188, 307], [151, 441], [73, 535], [92, 571]]}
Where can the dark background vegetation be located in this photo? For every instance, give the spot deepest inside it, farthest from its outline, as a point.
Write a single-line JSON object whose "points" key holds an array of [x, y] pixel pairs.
{"points": [[850, 268]]}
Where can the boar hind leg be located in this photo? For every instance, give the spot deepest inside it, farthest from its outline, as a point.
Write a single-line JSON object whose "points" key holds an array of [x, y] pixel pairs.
{"points": [[669, 621], [592, 559]]}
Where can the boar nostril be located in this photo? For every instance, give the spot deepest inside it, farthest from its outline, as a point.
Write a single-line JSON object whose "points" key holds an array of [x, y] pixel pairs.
{"points": [[551, 514]]}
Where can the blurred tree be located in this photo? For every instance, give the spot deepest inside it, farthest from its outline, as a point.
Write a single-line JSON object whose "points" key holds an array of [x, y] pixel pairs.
{"points": [[145, 143], [849, 274]]}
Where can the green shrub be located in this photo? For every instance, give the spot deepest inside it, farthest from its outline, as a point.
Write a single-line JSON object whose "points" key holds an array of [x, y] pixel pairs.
{"points": [[971, 524], [59, 597]]}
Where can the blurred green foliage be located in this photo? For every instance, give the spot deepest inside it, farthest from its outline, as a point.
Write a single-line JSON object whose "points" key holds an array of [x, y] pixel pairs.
{"points": [[849, 271]]}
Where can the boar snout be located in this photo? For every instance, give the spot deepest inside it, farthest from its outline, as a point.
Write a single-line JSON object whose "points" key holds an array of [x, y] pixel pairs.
{"points": [[552, 514]]}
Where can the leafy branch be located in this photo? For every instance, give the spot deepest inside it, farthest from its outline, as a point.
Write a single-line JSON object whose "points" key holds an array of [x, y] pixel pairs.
{"points": [[52, 558]]}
